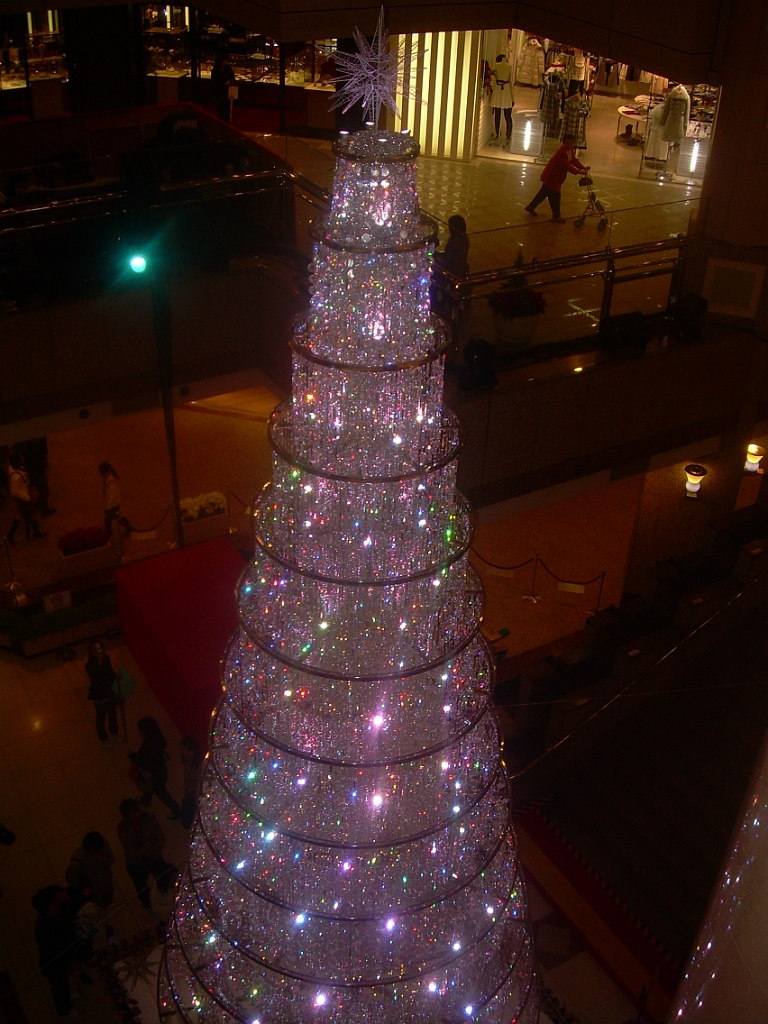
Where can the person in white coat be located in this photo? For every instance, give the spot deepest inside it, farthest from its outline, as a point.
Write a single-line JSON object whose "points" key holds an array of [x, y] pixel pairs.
{"points": [[111, 490], [502, 97], [677, 113]]}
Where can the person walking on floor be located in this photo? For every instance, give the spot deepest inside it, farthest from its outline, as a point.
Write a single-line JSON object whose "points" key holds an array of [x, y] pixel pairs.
{"points": [[35, 455], [152, 764], [111, 490], [563, 163], [102, 676], [192, 759], [21, 491], [89, 874], [142, 840], [56, 939]]}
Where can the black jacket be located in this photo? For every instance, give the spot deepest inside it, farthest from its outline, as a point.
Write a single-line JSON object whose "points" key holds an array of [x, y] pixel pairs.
{"points": [[153, 758], [56, 938], [102, 677]]}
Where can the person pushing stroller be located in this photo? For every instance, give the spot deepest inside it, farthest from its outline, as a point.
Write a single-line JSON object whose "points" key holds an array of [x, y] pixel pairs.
{"points": [[563, 163]]}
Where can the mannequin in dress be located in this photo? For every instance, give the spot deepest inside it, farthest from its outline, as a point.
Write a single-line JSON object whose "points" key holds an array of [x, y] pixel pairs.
{"points": [[655, 147], [677, 113], [502, 97], [576, 73]]}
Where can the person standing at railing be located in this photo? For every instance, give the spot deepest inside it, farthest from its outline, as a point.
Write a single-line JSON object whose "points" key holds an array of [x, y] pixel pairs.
{"points": [[24, 496], [222, 79], [563, 163], [111, 491], [455, 260]]}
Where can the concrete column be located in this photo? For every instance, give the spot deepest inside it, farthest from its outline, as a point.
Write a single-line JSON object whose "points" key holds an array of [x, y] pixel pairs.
{"points": [[735, 192]]}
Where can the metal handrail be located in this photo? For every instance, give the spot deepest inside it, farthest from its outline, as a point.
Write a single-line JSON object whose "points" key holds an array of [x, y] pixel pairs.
{"points": [[612, 699], [565, 262]]}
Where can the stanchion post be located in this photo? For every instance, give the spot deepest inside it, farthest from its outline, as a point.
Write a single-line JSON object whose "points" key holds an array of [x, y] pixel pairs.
{"points": [[533, 597], [600, 591], [229, 493], [15, 588], [161, 311]]}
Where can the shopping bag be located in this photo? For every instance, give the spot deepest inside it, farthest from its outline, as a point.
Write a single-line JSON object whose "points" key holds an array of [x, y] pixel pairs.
{"points": [[124, 684]]}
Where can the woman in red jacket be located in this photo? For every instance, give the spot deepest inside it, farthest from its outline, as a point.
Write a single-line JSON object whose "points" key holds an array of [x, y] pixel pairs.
{"points": [[563, 163]]}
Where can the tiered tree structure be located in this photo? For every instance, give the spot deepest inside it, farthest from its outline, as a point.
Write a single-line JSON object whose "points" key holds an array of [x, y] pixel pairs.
{"points": [[353, 861]]}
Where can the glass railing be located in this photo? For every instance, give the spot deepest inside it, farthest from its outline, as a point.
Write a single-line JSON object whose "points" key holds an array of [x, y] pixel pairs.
{"points": [[556, 306], [310, 158], [540, 239]]}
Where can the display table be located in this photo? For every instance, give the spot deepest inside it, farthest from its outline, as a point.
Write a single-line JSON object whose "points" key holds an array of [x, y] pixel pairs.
{"points": [[177, 611], [168, 85]]}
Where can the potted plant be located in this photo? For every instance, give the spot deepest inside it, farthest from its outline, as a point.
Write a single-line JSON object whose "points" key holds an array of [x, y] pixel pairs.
{"points": [[204, 517], [515, 307]]}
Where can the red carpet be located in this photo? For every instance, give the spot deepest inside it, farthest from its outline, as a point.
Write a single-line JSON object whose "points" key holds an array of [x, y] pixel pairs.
{"points": [[177, 612], [626, 950]]}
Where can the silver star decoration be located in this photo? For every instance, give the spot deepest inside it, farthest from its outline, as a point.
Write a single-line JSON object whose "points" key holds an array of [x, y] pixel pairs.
{"points": [[370, 76]]}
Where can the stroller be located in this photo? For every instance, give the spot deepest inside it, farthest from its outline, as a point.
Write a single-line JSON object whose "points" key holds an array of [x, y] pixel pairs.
{"points": [[594, 207]]}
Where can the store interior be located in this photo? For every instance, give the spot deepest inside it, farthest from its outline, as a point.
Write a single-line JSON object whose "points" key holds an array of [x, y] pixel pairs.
{"points": [[628, 122]]}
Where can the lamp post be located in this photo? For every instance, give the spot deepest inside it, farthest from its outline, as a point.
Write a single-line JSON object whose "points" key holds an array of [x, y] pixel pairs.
{"points": [[161, 316], [694, 475], [755, 452]]}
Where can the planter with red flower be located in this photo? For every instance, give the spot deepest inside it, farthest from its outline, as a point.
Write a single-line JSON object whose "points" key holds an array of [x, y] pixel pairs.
{"points": [[515, 308], [82, 539], [84, 550]]}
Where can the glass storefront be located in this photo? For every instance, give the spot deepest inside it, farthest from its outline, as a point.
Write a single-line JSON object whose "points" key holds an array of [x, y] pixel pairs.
{"points": [[627, 121], [509, 95], [179, 46]]}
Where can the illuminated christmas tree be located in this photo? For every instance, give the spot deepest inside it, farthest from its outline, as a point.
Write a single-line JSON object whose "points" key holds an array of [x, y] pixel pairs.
{"points": [[353, 861]]}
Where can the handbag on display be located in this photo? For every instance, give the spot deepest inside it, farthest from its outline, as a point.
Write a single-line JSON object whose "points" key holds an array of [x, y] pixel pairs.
{"points": [[124, 684]]}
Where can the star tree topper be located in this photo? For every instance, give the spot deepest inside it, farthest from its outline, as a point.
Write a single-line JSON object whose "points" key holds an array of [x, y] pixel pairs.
{"points": [[370, 76]]}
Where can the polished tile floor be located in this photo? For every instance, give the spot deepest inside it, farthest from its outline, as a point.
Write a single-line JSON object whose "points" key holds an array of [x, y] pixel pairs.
{"points": [[57, 782], [492, 190]]}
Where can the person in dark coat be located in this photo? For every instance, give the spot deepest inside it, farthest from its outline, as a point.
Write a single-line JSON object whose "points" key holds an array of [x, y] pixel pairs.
{"points": [[152, 760], [89, 875], [56, 940], [35, 454], [192, 759], [142, 839], [222, 77], [102, 676]]}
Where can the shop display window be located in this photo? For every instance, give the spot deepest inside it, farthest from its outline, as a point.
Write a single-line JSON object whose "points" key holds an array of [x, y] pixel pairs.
{"points": [[256, 58], [166, 41], [36, 39], [679, 154], [630, 121], [46, 56], [12, 74]]}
